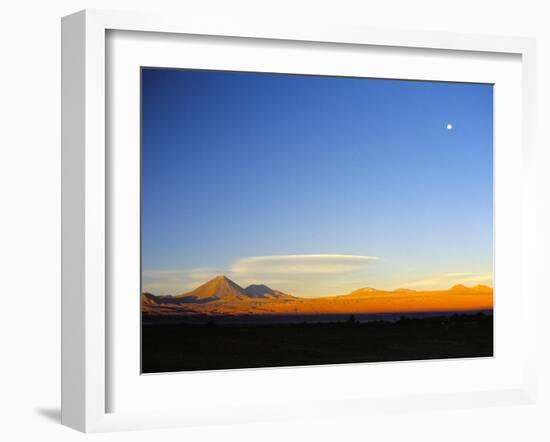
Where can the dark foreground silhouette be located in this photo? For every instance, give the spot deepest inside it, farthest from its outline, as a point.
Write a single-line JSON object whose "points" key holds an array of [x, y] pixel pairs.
{"points": [[169, 346]]}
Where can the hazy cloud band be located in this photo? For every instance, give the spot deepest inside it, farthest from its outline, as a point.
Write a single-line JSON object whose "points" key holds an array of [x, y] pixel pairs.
{"points": [[301, 264]]}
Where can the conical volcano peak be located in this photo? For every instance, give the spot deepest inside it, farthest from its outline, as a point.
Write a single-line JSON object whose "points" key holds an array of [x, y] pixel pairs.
{"points": [[221, 287], [222, 278]]}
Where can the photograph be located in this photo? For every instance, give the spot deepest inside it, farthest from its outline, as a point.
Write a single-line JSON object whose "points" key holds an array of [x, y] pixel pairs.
{"points": [[303, 220]]}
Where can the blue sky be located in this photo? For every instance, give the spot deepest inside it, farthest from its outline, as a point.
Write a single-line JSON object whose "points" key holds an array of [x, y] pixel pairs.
{"points": [[314, 185]]}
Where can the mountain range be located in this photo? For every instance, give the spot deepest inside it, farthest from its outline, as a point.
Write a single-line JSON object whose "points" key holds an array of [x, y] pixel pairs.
{"points": [[222, 296]]}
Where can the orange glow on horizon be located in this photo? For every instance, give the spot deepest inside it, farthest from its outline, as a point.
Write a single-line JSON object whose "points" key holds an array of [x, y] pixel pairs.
{"points": [[362, 301]]}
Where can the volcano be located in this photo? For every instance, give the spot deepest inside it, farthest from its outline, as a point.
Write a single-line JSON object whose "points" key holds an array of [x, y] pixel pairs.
{"points": [[221, 288], [263, 291]]}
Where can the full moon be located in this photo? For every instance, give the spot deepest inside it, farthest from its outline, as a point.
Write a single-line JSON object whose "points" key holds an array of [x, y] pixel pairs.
{"points": [[449, 126]]}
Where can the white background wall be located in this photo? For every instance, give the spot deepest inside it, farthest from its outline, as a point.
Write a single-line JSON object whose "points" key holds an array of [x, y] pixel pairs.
{"points": [[30, 215]]}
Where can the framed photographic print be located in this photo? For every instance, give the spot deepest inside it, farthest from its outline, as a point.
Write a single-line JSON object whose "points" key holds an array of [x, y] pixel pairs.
{"points": [[248, 210]]}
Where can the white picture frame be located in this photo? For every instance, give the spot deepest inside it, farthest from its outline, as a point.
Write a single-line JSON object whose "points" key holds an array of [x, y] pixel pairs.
{"points": [[86, 204]]}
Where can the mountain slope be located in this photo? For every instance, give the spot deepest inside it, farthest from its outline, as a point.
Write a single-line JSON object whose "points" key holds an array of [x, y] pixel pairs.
{"points": [[221, 296], [221, 288], [263, 291], [359, 293], [149, 299], [476, 288]]}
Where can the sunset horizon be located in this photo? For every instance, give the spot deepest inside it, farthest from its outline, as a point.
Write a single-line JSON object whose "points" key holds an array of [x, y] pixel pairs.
{"points": [[366, 286], [223, 296]]}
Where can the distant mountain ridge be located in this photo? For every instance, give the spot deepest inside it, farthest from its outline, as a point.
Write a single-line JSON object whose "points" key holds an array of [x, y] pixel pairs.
{"points": [[263, 291], [219, 288], [463, 288], [222, 296]]}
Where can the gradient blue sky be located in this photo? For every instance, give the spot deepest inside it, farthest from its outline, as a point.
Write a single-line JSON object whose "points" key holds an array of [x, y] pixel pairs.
{"points": [[299, 182]]}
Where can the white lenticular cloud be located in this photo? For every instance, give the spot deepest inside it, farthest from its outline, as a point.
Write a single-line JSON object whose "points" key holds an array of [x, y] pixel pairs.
{"points": [[301, 264]]}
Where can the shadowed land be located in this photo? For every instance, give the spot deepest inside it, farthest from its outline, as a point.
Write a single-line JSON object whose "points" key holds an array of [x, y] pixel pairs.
{"points": [[185, 346]]}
